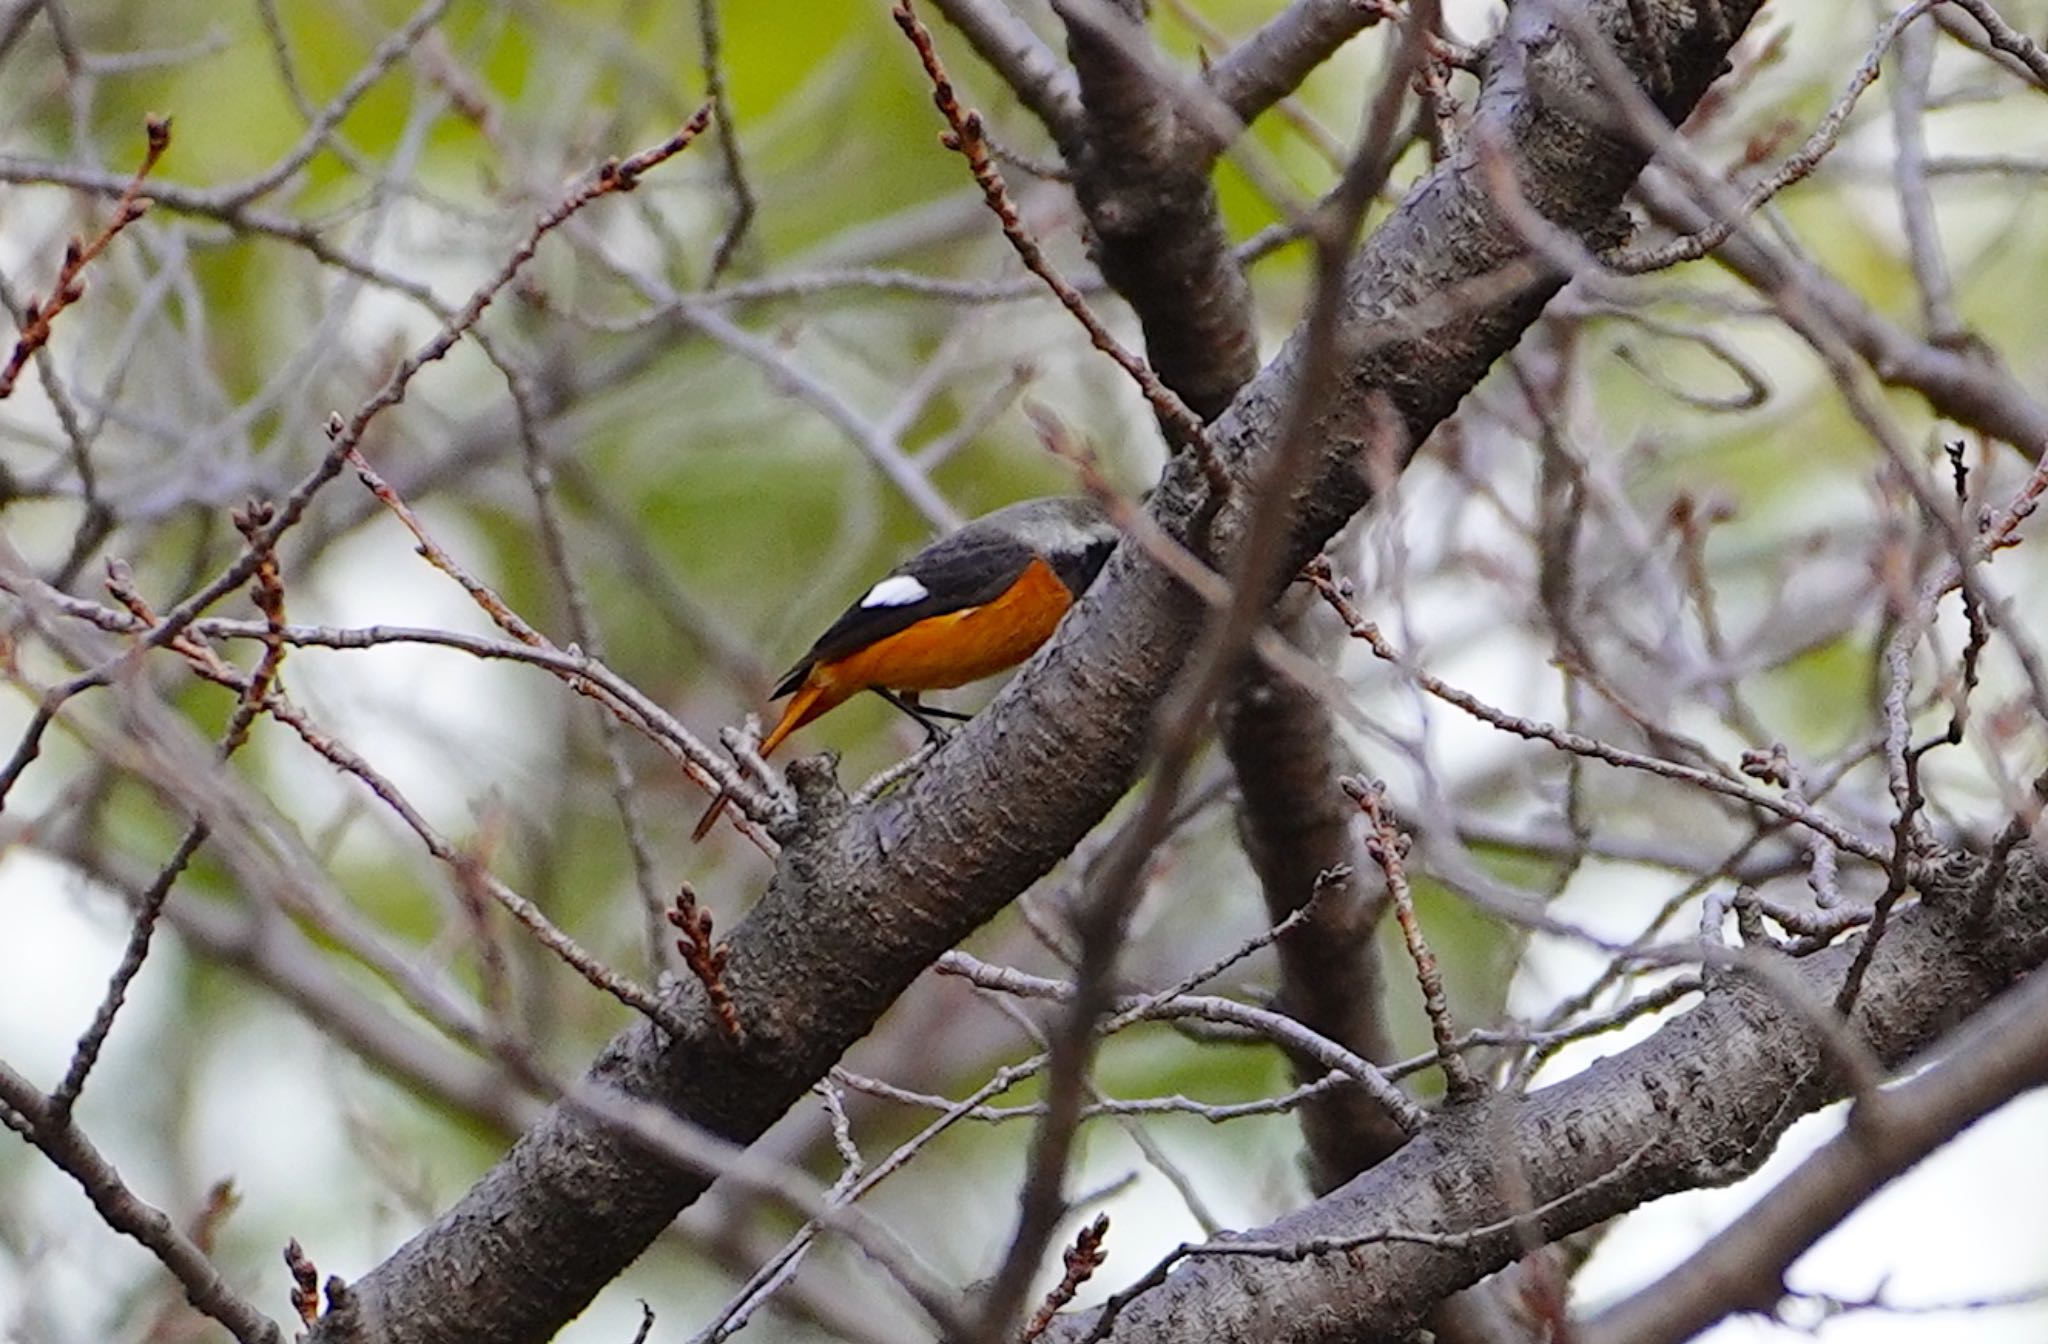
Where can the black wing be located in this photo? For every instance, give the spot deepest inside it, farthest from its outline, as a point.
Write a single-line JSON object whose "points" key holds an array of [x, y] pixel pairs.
{"points": [[970, 567]]}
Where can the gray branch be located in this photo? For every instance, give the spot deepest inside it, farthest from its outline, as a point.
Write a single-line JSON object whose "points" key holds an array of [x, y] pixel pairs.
{"points": [[1996, 1057], [1142, 176], [1700, 1103], [1026, 64], [1271, 63]]}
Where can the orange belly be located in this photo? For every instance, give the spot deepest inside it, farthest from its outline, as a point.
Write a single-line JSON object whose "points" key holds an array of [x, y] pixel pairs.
{"points": [[961, 646], [938, 652]]}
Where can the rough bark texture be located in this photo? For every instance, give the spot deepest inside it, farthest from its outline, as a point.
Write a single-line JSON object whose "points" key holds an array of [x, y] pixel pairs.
{"points": [[864, 900], [1142, 177], [1268, 65], [1970, 1072], [1700, 1103], [1295, 825]]}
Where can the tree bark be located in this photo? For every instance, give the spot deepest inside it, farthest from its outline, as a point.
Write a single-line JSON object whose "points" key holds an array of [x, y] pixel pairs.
{"points": [[1700, 1103]]}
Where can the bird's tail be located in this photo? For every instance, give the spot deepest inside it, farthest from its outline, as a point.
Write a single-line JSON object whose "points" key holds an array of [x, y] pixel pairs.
{"points": [[808, 703]]}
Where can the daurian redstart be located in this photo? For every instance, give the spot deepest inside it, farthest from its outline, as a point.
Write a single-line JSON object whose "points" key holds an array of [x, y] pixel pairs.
{"points": [[965, 607]]}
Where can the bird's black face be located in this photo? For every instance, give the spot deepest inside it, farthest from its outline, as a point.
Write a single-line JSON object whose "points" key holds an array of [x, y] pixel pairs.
{"points": [[1078, 566]]}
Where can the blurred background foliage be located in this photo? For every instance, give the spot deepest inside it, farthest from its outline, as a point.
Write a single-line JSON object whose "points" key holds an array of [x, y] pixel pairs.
{"points": [[717, 521]]}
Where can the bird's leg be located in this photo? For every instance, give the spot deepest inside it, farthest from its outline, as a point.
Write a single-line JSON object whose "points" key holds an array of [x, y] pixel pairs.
{"points": [[927, 716], [937, 711]]}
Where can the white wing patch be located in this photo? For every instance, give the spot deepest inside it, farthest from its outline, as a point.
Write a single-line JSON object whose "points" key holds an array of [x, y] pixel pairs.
{"points": [[898, 590]]}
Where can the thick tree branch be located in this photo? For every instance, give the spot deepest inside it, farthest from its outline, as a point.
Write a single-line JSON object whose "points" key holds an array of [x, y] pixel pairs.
{"points": [[1995, 1058], [1699, 1103], [1295, 827], [1271, 63], [865, 899], [1157, 236], [1156, 233], [1026, 64]]}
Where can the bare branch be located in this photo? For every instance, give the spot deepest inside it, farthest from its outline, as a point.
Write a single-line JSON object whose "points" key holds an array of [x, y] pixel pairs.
{"points": [[1024, 61], [1993, 1059], [1273, 61], [70, 284], [1701, 1100], [58, 1138]]}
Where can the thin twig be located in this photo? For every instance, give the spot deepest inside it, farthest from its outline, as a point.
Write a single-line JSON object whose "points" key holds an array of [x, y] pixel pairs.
{"points": [[70, 286], [2004, 37], [1388, 847], [1795, 168], [1277, 1027], [249, 702], [346, 434], [1320, 575], [711, 60], [1082, 1259], [705, 958], [967, 137], [58, 1138], [209, 665], [702, 762], [584, 629]]}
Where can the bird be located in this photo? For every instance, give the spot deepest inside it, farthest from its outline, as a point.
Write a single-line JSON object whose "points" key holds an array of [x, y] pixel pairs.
{"points": [[969, 605]]}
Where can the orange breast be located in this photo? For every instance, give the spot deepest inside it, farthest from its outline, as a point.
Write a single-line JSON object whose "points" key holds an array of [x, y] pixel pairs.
{"points": [[959, 647]]}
